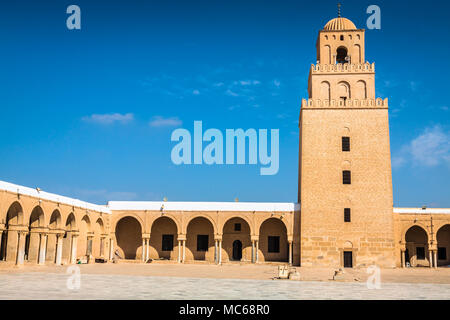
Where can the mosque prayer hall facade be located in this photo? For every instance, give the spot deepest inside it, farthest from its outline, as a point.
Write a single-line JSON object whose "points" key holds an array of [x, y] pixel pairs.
{"points": [[344, 216]]}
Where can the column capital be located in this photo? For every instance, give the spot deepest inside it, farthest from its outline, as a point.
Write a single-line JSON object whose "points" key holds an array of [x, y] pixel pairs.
{"points": [[218, 237], [146, 236], [255, 237], [181, 237], [18, 228]]}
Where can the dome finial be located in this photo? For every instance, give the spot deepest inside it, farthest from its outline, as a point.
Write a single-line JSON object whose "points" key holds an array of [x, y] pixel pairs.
{"points": [[339, 10]]}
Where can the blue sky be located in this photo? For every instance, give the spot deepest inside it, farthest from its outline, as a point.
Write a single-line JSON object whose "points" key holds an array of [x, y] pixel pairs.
{"points": [[89, 113]]}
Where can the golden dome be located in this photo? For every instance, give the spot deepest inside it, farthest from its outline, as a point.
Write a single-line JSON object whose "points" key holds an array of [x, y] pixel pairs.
{"points": [[339, 24]]}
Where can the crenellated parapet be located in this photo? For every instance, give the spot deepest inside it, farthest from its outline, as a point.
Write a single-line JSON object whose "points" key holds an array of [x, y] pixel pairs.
{"points": [[346, 67], [349, 103]]}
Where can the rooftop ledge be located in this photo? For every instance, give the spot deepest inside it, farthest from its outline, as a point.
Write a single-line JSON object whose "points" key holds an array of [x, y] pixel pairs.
{"points": [[346, 67], [182, 206], [422, 211], [358, 103], [203, 206], [17, 189]]}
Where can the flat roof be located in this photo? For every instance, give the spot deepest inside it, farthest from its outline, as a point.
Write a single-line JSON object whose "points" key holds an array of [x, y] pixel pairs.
{"points": [[203, 206], [422, 211], [183, 205], [14, 188]]}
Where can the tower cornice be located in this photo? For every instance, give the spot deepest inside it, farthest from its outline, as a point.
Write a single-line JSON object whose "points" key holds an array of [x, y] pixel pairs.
{"points": [[342, 68]]}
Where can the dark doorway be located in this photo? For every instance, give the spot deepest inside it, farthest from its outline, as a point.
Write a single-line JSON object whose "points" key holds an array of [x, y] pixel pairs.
{"points": [[3, 246], [348, 259], [202, 242], [407, 256], [237, 250], [341, 55]]}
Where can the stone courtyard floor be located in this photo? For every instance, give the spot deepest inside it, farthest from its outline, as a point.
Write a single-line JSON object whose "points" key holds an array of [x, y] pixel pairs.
{"points": [[204, 281]]}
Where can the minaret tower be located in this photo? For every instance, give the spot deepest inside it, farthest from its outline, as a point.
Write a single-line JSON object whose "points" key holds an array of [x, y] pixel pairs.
{"points": [[345, 181]]}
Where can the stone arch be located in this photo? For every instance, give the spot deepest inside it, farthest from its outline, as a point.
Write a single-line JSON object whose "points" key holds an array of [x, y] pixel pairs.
{"points": [[163, 243], [170, 216], [416, 224], [55, 220], [84, 244], [348, 245], [237, 228], [200, 232], [54, 225], [282, 220], [14, 215], [33, 238], [211, 220], [270, 248], [344, 92], [37, 217], [98, 246], [443, 245], [128, 232], [416, 240], [71, 223], [135, 216], [70, 227], [10, 238], [325, 90]]}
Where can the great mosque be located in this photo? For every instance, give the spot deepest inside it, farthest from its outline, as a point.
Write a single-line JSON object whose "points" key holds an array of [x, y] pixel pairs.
{"points": [[344, 216]]}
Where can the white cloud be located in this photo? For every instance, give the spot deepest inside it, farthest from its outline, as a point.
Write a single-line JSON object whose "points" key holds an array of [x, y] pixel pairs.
{"points": [[231, 93], [432, 147], [429, 149], [109, 118], [276, 83], [159, 121], [195, 92]]}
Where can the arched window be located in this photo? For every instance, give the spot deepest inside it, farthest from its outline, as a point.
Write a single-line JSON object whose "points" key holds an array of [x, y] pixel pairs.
{"points": [[341, 55], [325, 90], [344, 91], [361, 90]]}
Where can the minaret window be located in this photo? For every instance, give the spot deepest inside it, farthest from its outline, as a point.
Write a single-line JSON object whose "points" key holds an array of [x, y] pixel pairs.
{"points": [[341, 55], [346, 177], [342, 38]]}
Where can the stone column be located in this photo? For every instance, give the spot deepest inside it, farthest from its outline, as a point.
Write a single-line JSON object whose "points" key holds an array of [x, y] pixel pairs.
{"points": [[403, 259], [147, 250], [220, 251], [50, 252], [257, 249], [253, 251], [111, 249], [21, 248], [102, 246], [215, 250], [33, 247], [12, 245], [179, 251], [435, 258], [42, 248], [143, 249], [59, 244], [184, 251], [290, 253], [431, 258], [73, 255]]}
